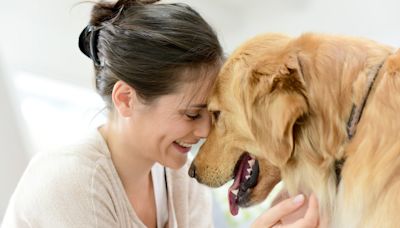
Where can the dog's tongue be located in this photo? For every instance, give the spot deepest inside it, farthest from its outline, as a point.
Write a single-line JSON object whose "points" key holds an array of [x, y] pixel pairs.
{"points": [[232, 198], [233, 206]]}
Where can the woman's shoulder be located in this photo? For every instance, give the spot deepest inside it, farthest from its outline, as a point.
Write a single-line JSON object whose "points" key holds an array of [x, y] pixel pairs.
{"points": [[78, 173], [73, 167], [86, 151], [72, 182], [81, 156]]}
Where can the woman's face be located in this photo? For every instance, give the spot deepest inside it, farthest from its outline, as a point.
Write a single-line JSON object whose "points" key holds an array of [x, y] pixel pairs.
{"points": [[165, 130]]}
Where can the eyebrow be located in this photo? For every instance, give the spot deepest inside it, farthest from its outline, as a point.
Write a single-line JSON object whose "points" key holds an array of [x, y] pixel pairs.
{"points": [[198, 106]]}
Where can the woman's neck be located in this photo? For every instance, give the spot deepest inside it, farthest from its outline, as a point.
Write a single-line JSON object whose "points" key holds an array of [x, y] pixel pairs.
{"points": [[134, 171], [132, 167]]}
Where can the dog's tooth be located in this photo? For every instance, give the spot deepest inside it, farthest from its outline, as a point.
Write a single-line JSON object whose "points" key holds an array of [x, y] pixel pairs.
{"points": [[247, 177], [249, 170], [251, 162], [235, 192]]}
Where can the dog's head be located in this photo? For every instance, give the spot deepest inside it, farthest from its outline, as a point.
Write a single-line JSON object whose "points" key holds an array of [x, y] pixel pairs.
{"points": [[257, 99]]}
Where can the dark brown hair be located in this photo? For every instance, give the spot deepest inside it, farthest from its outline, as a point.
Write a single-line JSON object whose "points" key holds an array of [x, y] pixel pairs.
{"points": [[149, 46]]}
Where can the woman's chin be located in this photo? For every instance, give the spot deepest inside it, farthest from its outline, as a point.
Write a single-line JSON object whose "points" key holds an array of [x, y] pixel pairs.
{"points": [[175, 163]]}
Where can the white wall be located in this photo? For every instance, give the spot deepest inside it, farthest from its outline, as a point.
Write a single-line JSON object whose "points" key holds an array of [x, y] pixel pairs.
{"points": [[41, 37], [13, 156], [237, 20]]}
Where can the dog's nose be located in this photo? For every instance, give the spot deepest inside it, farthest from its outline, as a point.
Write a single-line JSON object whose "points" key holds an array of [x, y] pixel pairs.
{"points": [[192, 171]]}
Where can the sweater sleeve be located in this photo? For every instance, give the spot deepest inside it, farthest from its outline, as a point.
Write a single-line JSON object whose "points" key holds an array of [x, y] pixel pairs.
{"points": [[61, 191]]}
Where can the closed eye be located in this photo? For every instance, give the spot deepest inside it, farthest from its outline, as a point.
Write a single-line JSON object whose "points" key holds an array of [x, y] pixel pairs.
{"points": [[193, 117]]}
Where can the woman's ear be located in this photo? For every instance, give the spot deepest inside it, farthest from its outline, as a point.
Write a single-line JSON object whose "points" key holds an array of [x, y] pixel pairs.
{"points": [[123, 96]]}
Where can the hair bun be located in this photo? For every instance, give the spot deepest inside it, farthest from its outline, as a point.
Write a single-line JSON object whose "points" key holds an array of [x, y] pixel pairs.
{"points": [[104, 11], [101, 12]]}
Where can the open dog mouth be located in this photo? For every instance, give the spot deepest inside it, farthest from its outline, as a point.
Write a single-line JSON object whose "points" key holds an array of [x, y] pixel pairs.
{"points": [[245, 177]]}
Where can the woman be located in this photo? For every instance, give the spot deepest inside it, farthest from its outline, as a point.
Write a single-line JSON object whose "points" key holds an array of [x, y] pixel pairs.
{"points": [[154, 66]]}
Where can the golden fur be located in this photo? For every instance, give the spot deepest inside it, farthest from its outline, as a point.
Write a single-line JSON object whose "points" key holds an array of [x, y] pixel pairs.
{"points": [[287, 101]]}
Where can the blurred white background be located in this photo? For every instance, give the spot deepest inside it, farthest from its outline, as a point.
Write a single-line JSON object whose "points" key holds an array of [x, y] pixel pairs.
{"points": [[46, 90]]}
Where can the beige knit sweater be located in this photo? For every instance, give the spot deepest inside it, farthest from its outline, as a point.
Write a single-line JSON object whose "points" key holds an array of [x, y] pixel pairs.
{"points": [[79, 187]]}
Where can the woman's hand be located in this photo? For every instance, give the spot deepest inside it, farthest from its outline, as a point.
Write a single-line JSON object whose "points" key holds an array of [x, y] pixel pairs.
{"points": [[288, 214]]}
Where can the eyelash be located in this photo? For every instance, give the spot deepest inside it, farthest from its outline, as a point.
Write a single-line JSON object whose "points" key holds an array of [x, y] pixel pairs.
{"points": [[193, 117]]}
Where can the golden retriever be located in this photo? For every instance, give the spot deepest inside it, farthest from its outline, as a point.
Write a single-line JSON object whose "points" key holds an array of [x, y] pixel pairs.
{"points": [[287, 108]]}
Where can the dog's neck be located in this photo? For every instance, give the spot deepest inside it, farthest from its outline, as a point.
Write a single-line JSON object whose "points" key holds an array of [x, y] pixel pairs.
{"points": [[319, 150]]}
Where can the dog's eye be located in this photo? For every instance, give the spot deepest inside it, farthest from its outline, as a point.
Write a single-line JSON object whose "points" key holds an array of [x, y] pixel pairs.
{"points": [[216, 115]]}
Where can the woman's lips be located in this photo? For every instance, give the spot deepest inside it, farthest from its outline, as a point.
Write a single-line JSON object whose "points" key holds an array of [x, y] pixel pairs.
{"points": [[182, 149]]}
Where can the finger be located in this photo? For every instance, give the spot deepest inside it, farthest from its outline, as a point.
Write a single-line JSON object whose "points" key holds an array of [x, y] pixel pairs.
{"points": [[311, 218], [274, 214], [312, 213]]}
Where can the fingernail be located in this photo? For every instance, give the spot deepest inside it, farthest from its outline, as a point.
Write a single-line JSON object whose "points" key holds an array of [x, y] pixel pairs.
{"points": [[298, 199]]}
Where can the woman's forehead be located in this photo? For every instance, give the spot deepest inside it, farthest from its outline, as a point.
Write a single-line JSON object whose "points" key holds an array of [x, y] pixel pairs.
{"points": [[195, 93]]}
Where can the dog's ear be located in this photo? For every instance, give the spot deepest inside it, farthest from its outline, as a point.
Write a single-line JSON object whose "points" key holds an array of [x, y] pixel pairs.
{"points": [[280, 101]]}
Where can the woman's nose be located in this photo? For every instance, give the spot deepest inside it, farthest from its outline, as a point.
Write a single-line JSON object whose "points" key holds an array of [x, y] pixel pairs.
{"points": [[203, 127]]}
